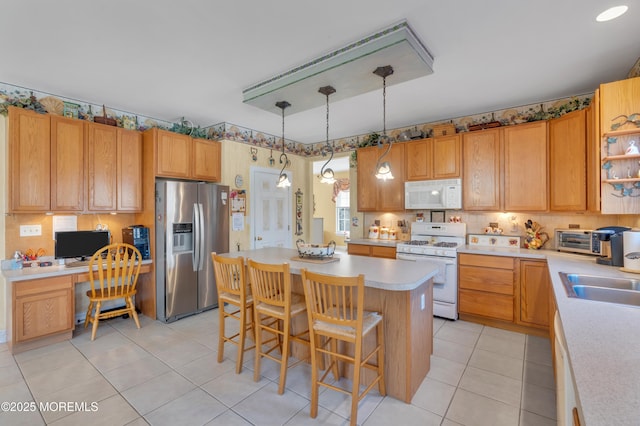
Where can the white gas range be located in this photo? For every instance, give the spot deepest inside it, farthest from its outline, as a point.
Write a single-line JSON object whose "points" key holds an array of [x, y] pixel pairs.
{"points": [[437, 243]]}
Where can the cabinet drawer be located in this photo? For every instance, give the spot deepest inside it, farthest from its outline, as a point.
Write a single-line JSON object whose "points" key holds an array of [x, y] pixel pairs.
{"points": [[389, 252], [26, 288], [486, 279], [486, 304], [500, 262]]}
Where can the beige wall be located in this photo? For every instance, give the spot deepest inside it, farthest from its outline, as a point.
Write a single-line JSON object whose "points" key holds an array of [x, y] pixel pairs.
{"points": [[326, 208], [236, 159]]}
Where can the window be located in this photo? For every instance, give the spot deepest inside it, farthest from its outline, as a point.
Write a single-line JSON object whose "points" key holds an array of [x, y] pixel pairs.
{"points": [[342, 213]]}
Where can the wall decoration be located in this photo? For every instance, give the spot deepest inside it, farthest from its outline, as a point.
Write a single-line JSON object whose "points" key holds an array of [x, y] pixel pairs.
{"points": [[299, 212], [21, 97], [238, 201], [71, 110], [437, 216]]}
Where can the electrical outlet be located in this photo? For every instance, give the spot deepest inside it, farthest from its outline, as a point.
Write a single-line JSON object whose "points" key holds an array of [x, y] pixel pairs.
{"points": [[30, 230]]}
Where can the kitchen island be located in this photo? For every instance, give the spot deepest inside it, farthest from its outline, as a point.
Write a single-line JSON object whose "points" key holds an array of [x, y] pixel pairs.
{"points": [[401, 291]]}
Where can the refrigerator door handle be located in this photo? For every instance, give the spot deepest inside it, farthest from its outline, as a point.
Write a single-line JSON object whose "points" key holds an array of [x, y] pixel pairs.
{"points": [[195, 258], [202, 255]]}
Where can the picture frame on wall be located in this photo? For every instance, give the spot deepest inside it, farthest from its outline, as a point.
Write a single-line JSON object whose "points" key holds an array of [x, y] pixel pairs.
{"points": [[437, 216]]}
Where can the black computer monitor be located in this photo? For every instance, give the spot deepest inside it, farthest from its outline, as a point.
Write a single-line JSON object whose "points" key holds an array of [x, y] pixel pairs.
{"points": [[80, 244]]}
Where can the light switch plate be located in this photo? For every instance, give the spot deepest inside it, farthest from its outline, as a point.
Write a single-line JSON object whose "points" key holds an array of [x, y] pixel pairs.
{"points": [[30, 230]]}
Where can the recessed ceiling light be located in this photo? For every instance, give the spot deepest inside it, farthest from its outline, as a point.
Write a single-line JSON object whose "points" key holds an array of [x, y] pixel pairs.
{"points": [[611, 13]]}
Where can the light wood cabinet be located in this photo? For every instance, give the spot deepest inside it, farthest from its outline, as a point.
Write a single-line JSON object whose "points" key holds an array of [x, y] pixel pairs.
{"points": [[534, 294], [446, 156], [129, 171], [102, 153], [372, 250], [433, 158], [375, 194], [525, 167], [481, 177], [114, 169], [418, 161], [42, 307], [620, 173], [180, 156], [67, 164], [568, 162], [29, 161], [505, 292], [486, 286], [207, 160]]}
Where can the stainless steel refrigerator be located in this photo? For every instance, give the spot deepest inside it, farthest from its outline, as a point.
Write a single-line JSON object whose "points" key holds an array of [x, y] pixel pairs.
{"points": [[192, 220]]}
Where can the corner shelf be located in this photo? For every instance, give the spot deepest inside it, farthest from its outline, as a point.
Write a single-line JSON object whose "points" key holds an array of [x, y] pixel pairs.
{"points": [[618, 133], [625, 180]]}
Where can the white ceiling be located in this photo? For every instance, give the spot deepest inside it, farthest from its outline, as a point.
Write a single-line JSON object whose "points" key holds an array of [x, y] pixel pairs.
{"points": [[167, 59]]}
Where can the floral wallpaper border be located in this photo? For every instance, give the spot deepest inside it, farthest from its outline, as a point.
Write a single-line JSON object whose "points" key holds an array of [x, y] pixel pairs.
{"points": [[47, 103]]}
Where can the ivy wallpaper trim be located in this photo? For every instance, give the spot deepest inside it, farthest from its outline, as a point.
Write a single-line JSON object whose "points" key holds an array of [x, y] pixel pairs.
{"points": [[47, 103]]}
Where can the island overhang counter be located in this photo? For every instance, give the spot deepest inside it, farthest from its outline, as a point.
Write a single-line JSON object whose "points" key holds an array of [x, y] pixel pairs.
{"points": [[400, 290]]}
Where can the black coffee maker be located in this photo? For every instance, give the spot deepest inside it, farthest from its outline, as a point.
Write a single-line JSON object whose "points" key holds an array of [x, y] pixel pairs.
{"points": [[611, 243]]}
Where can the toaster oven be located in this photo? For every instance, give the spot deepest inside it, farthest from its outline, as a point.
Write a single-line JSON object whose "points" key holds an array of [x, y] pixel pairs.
{"points": [[583, 241]]}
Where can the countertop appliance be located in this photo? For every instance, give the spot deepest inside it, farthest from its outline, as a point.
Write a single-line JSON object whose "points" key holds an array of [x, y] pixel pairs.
{"points": [[192, 220], [585, 241], [137, 236], [612, 245], [438, 194], [437, 243]]}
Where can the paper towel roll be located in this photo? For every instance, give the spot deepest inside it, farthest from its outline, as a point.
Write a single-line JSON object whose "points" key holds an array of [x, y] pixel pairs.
{"points": [[631, 247]]}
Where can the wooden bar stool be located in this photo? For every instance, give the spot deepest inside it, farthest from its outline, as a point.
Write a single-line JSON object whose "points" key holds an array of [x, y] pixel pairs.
{"points": [[274, 307], [335, 308], [233, 290]]}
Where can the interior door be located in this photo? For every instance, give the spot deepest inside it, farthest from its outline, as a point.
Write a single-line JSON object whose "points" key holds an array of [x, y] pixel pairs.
{"points": [[271, 210]]}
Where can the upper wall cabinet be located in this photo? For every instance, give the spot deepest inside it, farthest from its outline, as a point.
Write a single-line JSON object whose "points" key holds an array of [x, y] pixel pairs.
{"points": [[114, 169], [182, 157], [433, 158], [481, 177], [620, 141], [525, 167], [511, 161], [568, 162], [375, 195], [46, 168]]}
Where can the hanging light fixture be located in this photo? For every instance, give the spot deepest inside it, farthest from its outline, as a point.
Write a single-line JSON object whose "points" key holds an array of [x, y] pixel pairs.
{"points": [[383, 168], [283, 179], [326, 173]]}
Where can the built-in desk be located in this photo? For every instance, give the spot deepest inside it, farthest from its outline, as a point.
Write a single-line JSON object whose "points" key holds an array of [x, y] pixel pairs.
{"points": [[42, 305], [401, 291]]}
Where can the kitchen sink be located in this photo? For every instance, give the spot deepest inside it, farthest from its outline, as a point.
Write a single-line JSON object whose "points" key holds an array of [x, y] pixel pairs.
{"points": [[624, 291]]}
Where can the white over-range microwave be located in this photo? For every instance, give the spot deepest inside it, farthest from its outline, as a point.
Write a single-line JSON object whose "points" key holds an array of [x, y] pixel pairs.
{"points": [[433, 194]]}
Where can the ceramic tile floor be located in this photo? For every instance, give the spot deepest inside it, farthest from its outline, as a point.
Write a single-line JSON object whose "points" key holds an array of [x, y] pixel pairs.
{"points": [[167, 374]]}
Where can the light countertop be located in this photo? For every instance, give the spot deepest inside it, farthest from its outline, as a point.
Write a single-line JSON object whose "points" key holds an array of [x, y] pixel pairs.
{"points": [[33, 273], [385, 274], [374, 242], [603, 342]]}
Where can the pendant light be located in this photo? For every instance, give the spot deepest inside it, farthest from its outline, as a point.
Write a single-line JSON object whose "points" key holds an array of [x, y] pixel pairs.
{"points": [[383, 168], [326, 173], [283, 179]]}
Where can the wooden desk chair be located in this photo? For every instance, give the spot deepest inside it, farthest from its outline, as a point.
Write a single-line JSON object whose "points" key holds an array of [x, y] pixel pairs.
{"points": [[274, 307], [113, 273], [233, 290], [335, 308]]}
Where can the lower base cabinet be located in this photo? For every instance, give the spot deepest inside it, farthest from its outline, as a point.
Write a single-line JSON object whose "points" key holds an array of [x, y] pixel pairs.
{"points": [[505, 292], [42, 308], [370, 250]]}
